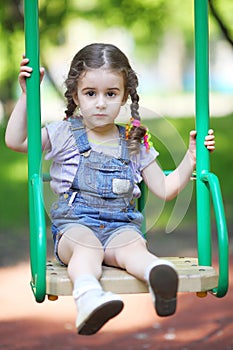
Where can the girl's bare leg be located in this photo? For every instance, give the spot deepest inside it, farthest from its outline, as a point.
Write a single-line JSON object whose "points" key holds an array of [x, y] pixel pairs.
{"points": [[128, 250], [83, 253]]}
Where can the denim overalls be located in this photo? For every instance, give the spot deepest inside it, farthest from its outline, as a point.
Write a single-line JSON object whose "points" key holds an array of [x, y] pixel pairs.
{"points": [[101, 196]]}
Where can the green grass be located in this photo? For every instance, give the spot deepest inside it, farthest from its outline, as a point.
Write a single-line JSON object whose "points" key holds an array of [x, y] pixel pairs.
{"points": [[170, 137], [13, 187]]}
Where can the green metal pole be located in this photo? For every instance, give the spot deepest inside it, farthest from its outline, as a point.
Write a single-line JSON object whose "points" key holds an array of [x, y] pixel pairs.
{"points": [[223, 254], [202, 126], [36, 212]]}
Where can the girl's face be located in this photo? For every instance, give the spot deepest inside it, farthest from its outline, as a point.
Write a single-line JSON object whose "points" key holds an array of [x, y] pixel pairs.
{"points": [[100, 95]]}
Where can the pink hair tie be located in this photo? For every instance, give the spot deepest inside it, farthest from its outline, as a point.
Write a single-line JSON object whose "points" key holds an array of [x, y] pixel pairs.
{"points": [[136, 122]]}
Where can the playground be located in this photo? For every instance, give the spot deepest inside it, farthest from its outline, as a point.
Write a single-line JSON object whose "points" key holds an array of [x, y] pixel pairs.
{"points": [[199, 323]]}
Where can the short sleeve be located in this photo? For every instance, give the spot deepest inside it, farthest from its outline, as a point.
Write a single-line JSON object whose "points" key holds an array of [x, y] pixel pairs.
{"points": [[142, 160], [61, 140], [65, 156]]}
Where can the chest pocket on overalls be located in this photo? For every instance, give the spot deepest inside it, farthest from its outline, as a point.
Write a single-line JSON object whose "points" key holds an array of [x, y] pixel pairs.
{"points": [[109, 180]]}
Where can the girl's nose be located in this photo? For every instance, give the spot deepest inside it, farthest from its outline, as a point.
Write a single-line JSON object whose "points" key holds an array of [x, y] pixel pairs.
{"points": [[101, 103]]}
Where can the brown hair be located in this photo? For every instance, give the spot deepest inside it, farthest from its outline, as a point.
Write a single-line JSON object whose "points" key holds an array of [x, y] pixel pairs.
{"points": [[95, 56]]}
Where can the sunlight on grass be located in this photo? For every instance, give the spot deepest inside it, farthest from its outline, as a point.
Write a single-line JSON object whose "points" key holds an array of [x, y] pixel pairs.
{"points": [[16, 172]]}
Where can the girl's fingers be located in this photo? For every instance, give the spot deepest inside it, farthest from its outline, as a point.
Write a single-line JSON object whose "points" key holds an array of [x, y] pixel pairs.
{"points": [[211, 132], [25, 69], [24, 62], [42, 71], [210, 148], [24, 75], [193, 134], [210, 138], [210, 144]]}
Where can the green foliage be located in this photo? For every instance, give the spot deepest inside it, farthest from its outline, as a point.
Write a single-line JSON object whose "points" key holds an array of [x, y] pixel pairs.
{"points": [[224, 10], [146, 20], [53, 18], [13, 187]]}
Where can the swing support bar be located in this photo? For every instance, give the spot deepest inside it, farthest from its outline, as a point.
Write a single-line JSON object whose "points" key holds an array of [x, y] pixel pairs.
{"points": [[212, 183], [35, 190], [207, 183]]}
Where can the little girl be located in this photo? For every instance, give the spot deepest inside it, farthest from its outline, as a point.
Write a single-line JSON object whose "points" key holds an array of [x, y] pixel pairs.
{"points": [[96, 168]]}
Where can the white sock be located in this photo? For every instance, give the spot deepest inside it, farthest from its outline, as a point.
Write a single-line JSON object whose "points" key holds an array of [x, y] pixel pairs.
{"points": [[85, 283]]}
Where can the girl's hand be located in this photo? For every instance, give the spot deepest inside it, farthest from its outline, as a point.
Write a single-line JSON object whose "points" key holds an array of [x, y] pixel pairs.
{"points": [[210, 140], [25, 72], [209, 143]]}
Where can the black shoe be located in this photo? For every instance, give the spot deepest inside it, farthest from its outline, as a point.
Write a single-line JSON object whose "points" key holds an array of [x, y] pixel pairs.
{"points": [[163, 284]]}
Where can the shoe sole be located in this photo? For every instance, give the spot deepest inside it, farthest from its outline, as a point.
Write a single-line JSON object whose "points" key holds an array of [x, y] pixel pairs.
{"points": [[100, 316], [164, 283]]}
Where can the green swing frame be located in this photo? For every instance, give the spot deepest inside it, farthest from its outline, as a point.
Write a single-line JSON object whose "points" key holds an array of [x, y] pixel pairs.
{"points": [[196, 275]]}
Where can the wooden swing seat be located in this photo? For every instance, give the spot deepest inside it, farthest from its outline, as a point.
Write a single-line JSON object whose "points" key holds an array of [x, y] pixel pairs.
{"points": [[192, 278]]}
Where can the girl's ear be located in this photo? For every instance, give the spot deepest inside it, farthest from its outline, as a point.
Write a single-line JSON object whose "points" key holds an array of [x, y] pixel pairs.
{"points": [[75, 98]]}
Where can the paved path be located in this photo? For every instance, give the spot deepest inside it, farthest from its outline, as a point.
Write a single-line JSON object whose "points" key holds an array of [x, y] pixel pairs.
{"points": [[203, 324]]}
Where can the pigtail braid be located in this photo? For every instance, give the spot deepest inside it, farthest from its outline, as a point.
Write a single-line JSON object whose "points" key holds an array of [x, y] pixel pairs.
{"points": [[137, 131], [76, 69], [71, 105]]}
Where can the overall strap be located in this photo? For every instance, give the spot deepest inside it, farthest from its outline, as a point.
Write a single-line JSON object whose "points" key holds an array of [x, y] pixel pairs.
{"points": [[80, 134], [124, 144], [82, 142]]}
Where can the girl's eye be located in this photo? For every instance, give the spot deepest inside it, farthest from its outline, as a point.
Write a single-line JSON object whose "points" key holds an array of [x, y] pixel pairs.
{"points": [[91, 93], [111, 94]]}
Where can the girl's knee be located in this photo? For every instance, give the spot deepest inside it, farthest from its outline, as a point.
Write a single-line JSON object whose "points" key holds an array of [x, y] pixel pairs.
{"points": [[123, 246], [82, 236], [127, 239], [81, 241]]}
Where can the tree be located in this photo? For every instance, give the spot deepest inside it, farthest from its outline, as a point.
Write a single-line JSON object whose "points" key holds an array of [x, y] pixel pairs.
{"points": [[146, 20], [223, 17], [53, 17]]}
